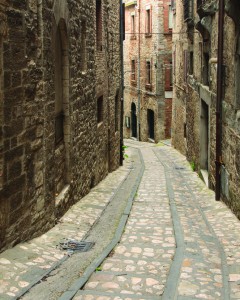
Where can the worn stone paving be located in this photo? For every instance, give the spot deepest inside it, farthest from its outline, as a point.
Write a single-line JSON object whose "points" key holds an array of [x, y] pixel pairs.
{"points": [[140, 263], [145, 263], [25, 263], [178, 243]]}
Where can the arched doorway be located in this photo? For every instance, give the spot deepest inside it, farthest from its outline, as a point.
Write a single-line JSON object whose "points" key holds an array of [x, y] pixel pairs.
{"points": [[150, 118], [134, 120]]}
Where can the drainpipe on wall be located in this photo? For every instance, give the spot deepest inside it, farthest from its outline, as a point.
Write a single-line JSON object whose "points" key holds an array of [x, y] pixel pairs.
{"points": [[122, 12], [139, 66], [219, 100]]}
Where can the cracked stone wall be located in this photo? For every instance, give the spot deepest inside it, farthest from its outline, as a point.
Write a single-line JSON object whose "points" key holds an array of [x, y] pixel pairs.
{"points": [[31, 163]]}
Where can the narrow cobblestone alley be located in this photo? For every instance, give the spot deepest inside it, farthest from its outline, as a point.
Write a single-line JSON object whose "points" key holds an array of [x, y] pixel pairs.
{"points": [[178, 242]]}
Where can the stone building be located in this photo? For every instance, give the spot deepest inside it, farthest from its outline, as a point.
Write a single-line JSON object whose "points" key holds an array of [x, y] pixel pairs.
{"points": [[59, 108], [147, 70], [197, 90]]}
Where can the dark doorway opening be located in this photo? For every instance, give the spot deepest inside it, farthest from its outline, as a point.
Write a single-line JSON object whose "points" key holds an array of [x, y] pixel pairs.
{"points": [[134, 120], [204, 136], [150, 117]]}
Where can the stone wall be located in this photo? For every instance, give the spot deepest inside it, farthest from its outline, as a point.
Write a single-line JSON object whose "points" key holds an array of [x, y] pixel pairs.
{"points": [[195, 92], [41, 178], [142, 47]]}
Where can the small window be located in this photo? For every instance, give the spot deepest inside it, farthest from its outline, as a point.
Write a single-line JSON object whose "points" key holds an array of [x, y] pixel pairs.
{"points": [[133, 70], [83, 63], [100, 109], [148, 21], [133, 24], [170, 17], [99, 24], [191, 63], [173, 4], [148, 73], [168, 76], [171, 74], [116, 111], [185, 65], [206, 68], [188, 10]]}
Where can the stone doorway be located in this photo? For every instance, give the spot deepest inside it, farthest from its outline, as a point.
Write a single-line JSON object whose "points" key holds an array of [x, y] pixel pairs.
{"points": [[134, 120]]}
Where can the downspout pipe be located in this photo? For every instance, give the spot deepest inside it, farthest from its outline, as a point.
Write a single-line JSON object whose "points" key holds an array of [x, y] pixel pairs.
{"points": [[220, 83], [122, 12], [139, 68]]}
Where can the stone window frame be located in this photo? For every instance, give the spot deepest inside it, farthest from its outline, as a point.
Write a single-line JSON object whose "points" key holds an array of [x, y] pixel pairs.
{"points": [[133, 25], [170, 18], [133, 71], [148, 20], [148, 74]]}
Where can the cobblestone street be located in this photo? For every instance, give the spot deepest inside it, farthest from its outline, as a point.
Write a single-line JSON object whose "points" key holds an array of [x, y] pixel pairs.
{"points": [[177, 243]]}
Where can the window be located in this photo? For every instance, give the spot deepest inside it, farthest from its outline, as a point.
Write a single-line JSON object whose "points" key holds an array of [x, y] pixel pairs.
{"points": [[133, 25], [185, 55], [83, 62], [173, 4], [237, 75], [206, 68], [188, 10], [170, 17], [1, 115], [200, 3], [100, 109], [116, 110], [133, 70], [148, 73], [62, 118], [148, 21], [168, 76], [59, 115], [190, 63], [99, 24], [171, 74]]}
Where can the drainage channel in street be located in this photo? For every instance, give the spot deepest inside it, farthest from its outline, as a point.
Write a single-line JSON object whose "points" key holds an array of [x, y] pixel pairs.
{"points": [[64, 281]]}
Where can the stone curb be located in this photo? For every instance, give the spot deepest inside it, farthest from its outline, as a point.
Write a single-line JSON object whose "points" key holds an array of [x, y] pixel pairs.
{"points": [[59, 263], [71, 292]]}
